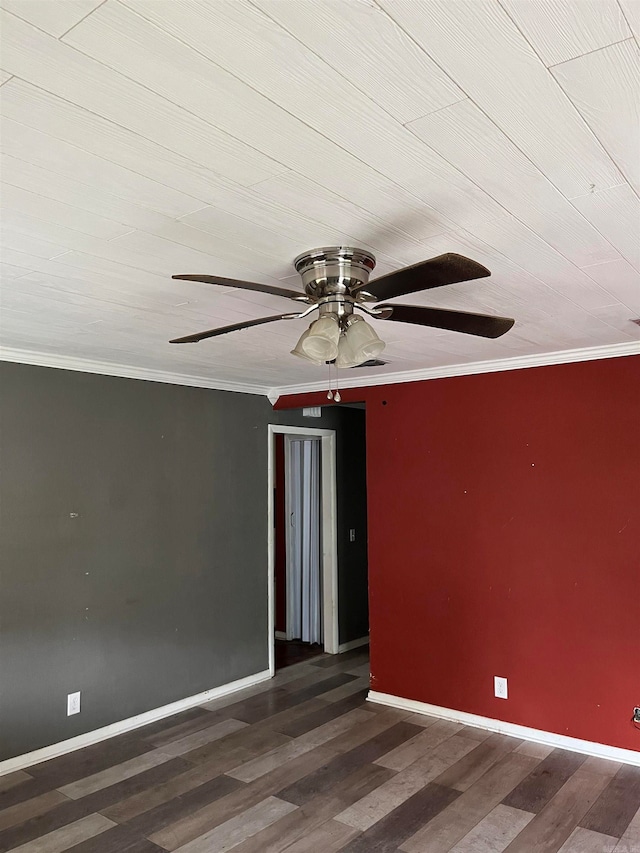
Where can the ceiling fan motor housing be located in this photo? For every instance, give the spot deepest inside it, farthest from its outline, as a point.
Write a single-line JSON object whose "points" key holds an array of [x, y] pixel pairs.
{"points": [[333, 278], [336, 270]]}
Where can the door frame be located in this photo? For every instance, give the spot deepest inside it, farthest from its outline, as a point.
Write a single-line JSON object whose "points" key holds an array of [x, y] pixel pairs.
{"points": [[329, 534]]}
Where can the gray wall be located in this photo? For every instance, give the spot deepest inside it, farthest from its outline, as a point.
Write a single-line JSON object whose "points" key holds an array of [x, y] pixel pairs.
{"points": [[133, 546]]}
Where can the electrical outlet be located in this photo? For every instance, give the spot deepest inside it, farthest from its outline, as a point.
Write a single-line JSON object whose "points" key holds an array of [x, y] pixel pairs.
{"points": [[500, 687], [636, 715], [352, 534], [73, 703]]}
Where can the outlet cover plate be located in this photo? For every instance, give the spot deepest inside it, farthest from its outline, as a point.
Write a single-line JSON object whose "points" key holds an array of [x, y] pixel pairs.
{"points": [[73, 703], [500, 687]]}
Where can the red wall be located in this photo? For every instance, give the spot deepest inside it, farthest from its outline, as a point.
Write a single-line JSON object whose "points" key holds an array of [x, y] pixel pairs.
{"points": [[504, 539]]}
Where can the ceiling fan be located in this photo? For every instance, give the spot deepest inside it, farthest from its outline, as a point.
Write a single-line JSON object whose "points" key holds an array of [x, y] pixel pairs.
{"points": [[336, 282]]}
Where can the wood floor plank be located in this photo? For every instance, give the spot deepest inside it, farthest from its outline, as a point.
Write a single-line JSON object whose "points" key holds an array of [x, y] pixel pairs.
{"points": [[405, 784], [252, 770], [112, 775], [404, 821], [328, 838], [361, 671], [313, 815], [92, 759], [290, 673], [360, 655], [376, 725], [554, 823], [285, 775], [475, 733], [177, 785], [630, 841], [451, 825], [424, 720], [230, 833], [586, 841], [275, 722], [10, 780], [70, 811], [237, 697], [62, 839], [280, 679], [153, 820], [120, 839], [345, 690], [203, 736], [266, 704], [179, 730], [534, 792], [321, 780], [26, 790], [191, 827], [315, 719], [424, 742], [475, 764], [252, 742], [185, 719], [535, 750], [612, 812], [494, 832], [313, 676], [30, 808]]}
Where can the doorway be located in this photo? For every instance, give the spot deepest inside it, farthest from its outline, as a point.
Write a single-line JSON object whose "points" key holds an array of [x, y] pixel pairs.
{"points": [[303, 617]]}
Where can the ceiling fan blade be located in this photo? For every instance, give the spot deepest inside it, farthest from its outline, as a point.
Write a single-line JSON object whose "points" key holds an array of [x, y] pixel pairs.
{"points": [[436, 272], [212, 333], [483, 325], [246, 285]]}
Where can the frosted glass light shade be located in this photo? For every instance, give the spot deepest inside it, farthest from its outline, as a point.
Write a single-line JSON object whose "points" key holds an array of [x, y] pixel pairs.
{"points": [[363, 341], [321, 342], [299, 351], [345, 357]]}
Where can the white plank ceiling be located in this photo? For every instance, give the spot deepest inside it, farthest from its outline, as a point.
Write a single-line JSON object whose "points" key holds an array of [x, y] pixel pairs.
{"points": [[142, 138]]}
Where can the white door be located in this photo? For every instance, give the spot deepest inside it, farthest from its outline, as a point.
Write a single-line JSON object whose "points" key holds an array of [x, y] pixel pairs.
{"points": [[304, 594]]}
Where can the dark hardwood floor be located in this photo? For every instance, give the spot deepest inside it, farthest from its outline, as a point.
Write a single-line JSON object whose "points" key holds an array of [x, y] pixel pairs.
{"points": [[303, 763], [289, 652]]}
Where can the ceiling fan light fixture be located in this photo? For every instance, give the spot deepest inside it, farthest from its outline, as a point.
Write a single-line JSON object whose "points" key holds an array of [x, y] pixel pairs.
{"points": [[362, 341], [320, 343], [336, 281], [299, 351], [345, 357]]}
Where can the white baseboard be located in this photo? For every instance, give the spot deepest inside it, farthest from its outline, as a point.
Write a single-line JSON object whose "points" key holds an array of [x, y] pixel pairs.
{"points": [[20, 762], [281, 635], [588, 747], [353, 644]]}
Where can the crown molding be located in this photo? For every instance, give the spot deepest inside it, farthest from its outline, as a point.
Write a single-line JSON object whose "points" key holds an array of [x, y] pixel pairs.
{"points": [[517, 363], [106, 368]]}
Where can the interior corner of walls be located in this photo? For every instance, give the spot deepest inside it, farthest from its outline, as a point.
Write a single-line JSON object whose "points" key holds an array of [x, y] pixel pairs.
{"points": [[273, 396]]}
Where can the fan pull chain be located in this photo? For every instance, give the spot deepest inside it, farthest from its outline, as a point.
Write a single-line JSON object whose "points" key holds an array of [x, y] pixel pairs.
{"points": [[329, 392], [337, 396]]}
